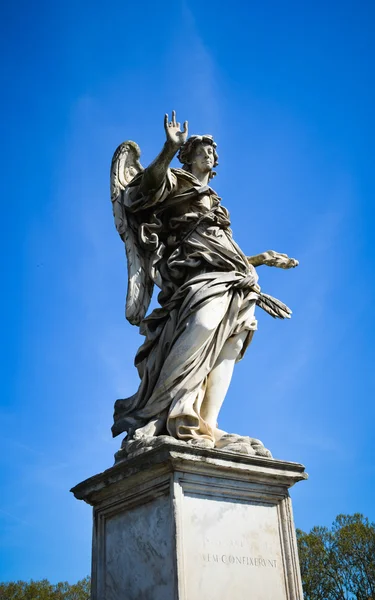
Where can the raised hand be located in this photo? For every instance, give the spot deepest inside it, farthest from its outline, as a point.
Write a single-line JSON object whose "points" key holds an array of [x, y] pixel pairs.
{"points": [[276, 259], [175, 136]]}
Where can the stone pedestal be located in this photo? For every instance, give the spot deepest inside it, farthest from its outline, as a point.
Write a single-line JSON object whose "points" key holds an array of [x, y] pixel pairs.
{"points": [[176, 522]]}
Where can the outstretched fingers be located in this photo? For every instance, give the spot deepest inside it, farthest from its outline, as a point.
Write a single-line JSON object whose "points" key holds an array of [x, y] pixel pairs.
{"points": [[290, 263], [174, 133]]}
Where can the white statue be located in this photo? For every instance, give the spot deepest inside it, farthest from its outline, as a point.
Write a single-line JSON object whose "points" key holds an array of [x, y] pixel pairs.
{"points": [[177, 237]]}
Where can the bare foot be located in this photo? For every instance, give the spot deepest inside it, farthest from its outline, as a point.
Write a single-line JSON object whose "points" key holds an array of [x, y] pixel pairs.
{"points": [[218, 434], [151, 429], [201, 442], [242, 444], [228, 438]]}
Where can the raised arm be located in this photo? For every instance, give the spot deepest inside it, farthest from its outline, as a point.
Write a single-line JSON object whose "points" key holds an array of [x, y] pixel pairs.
{"points": [[154, 174], [273, 259]]}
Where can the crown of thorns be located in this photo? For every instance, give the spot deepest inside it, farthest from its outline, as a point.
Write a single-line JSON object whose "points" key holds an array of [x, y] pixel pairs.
{"points": [[185, 154]]}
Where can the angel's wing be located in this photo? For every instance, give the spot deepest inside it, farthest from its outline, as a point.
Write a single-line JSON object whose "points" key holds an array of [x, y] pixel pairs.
{"points": [[125, 166]]}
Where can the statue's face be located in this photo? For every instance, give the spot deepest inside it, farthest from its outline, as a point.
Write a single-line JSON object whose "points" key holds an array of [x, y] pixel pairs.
{"points": [[203, 158]]}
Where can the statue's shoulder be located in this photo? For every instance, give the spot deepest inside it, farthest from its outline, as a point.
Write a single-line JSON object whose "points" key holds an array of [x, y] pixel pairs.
{"points": [[184, 176], [136, 180]]}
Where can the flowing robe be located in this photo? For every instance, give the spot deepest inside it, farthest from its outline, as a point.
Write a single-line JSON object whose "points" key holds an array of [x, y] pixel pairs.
{"points": [[197, 264]]}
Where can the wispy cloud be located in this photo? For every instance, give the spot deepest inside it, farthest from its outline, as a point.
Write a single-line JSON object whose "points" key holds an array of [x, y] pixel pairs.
{"points": [[13, 517], [198, 74]]}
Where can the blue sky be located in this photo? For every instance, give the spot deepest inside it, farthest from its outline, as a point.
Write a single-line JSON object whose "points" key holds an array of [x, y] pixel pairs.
{"points": [[287, 89]]}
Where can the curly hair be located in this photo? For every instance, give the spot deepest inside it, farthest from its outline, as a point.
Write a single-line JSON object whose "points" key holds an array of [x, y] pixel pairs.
{"points": [[185, 155]]}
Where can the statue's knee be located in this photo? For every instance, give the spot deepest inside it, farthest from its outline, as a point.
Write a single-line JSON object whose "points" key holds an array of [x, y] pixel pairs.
{"points": [[204, 322], [233, 347], [237, 345]]}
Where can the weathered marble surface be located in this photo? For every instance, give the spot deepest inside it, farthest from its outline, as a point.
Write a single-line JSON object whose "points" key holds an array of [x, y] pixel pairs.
{"points": [[230, 443], [178, 522], [139, 552], [232, 548]]}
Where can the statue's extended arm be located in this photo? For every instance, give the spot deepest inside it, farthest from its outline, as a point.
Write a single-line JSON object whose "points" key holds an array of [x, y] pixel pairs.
{"points": [[273, 259], [154, 174]]}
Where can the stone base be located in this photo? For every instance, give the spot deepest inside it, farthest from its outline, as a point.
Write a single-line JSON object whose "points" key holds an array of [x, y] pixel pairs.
{"points": [[177, 522]]}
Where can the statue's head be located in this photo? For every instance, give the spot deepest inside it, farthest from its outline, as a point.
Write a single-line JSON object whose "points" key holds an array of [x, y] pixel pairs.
{"points": [[199, 154]]}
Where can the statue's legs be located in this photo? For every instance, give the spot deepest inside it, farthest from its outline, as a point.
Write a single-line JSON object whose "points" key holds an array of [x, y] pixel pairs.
{"points": [[195, 338], [199, 328], [219, 379]]}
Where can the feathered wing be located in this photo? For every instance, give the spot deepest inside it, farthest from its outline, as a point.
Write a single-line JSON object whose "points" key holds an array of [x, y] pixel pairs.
{"points": [[125, 166]]}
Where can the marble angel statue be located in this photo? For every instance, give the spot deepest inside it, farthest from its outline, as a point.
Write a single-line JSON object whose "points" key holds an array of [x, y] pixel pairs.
{"points": [[177, 237]]}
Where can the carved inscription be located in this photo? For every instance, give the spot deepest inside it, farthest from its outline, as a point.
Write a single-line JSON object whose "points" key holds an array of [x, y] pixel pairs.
{"points": [[232, 549], [247, 561], [234, 556]]}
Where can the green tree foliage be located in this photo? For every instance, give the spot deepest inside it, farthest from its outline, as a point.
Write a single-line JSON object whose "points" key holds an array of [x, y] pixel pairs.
{"points": [[339, 563], [44, 590]]}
